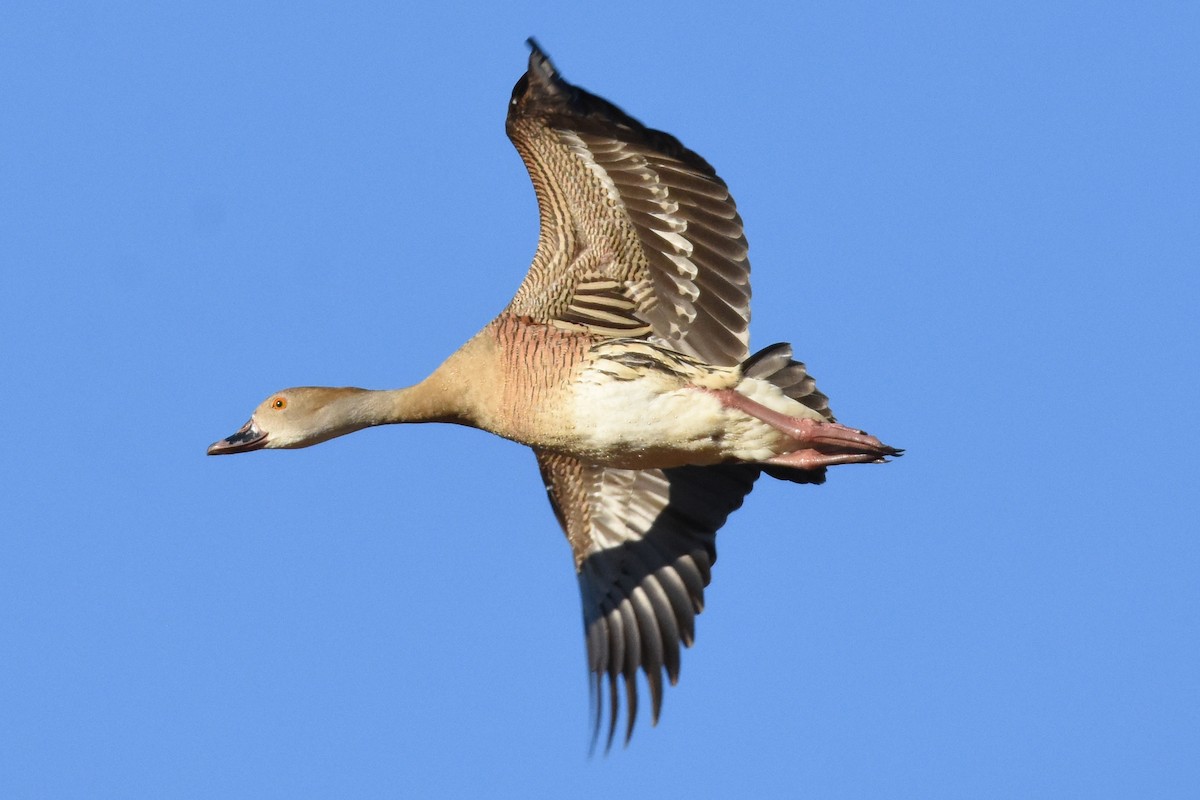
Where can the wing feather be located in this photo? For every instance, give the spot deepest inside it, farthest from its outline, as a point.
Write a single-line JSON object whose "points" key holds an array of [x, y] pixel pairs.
{"points": [[619, 199], [638, 238], [644, 543]]}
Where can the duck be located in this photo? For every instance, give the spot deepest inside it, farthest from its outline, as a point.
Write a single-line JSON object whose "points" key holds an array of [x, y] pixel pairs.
{"points": [[623, 362]]}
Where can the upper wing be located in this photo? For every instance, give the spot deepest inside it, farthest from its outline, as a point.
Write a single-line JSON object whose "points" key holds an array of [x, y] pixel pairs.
{"points": [[644, 543], [639, 237]]}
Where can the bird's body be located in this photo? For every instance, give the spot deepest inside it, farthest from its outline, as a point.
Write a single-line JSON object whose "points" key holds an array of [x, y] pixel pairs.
{"points": [[638, 406], [622, 361]]}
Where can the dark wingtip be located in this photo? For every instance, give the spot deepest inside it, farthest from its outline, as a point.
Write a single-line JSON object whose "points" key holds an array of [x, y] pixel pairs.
{"points": [[631, 703], [540, 82], [539, 62], [596, 695]]}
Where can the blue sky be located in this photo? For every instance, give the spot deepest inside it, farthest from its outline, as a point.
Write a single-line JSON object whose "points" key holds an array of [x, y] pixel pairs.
{"points": [[977, 224]]}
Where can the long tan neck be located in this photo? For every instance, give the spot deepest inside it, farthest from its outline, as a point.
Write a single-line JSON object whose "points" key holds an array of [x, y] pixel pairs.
{"points": [[428, 401], [350, 409], [450, 394]]}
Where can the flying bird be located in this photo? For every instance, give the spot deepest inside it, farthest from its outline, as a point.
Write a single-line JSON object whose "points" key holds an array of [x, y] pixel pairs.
{"points": [[623, 362]]}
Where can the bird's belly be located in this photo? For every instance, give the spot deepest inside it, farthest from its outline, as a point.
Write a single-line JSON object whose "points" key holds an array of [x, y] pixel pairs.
{"points": [[637, 425]]}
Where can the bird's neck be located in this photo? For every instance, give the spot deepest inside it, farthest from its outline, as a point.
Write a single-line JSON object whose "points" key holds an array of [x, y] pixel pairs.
{"points": [[427, 401], [454, 393]]}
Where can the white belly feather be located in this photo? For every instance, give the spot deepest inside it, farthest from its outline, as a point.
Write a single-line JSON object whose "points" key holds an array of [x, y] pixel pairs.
{"points": [[657, 419]]}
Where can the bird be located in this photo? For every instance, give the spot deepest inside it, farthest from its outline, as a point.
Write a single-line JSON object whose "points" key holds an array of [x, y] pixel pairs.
{"points": [[623, 362]]}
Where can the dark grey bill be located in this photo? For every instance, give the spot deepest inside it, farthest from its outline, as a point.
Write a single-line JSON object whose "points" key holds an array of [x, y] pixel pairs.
{"points": [[248, 438]]}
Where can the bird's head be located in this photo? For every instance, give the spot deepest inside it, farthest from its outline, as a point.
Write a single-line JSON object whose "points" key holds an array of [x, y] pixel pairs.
{"points": [[299, 417]]}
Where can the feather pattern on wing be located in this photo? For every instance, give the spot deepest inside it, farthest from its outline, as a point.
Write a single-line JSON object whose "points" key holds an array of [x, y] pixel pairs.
{"points": [[623, 203], [644, 543], [639, 238]]}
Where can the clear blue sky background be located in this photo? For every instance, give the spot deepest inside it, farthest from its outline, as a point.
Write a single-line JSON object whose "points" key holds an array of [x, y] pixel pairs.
{"points": [[980, 225]]}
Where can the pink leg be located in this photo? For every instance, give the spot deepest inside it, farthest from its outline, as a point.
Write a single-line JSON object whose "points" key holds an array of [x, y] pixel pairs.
{"points": [[822, 444], [811, 458]]}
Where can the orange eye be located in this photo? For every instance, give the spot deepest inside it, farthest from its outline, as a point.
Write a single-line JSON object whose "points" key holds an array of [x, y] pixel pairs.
{"points": [[279, 402]]}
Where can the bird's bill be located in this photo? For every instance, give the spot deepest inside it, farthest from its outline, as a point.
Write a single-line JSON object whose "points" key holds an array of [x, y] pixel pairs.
{"points": [[249, 437]]}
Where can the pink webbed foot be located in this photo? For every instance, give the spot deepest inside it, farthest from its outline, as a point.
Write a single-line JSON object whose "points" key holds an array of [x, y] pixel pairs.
{"points": [[819, 443]]}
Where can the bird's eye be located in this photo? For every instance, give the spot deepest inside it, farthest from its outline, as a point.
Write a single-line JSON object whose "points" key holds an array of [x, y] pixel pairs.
{"points": [[279, 402]]}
